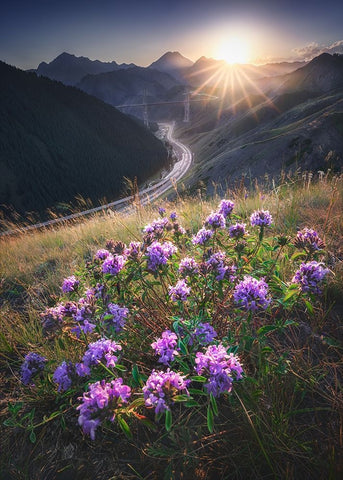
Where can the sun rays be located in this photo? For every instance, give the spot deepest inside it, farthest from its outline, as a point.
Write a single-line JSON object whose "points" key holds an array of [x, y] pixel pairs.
{"points": [[234, 84]]}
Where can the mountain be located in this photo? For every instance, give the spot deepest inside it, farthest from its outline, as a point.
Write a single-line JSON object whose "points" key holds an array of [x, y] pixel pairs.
{"points": [[322, 74], [129, 86], [300, 125], [57, 142], [70, 69], [173, 63]]}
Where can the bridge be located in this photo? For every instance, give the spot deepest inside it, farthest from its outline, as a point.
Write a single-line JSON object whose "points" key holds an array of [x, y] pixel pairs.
{"points": [[186, 103]]}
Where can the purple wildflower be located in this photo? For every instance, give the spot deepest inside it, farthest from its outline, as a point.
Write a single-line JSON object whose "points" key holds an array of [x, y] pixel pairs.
{"points": [[219, 367], [251, 294], [33, 364], [173, 216], [52, 318], [180, 292], [161, 211], [188, 267], [157, 227], [261, 218], [226, 207], [237, 230], [165, 347], [309, 240], [215, 220], [159, 253], [204, 333], [134, 250], [102, 254], [310, 276], [216, 264], [113, 264], [118, 316], [161, 387], [70, 284], [63, 376], [202, 236], [82, 317], [100, 351], [99, 403]]}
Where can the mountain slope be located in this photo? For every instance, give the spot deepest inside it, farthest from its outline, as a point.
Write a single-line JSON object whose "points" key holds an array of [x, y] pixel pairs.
{"points": [[299, 126], [57, 142], [70, 69]]}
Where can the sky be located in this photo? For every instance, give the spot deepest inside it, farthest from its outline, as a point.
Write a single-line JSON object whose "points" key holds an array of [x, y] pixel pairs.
{"points": [[140, 31]]}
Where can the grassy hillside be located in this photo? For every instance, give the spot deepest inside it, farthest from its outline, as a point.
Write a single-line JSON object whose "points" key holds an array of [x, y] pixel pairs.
{"points": [[57, 142], [281, 420]]}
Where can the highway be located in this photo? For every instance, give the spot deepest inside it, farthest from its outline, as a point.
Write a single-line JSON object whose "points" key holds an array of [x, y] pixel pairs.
{"points": [[147, 195]]}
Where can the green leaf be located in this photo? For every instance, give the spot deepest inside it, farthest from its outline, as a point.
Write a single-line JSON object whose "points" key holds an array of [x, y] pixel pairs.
{"points": [[182, 347], [214, 404], [210, 419], [199, 378], [297, 255], [265, 329], [197, 391], [309, 307], [32, 437], [136, 375], [124, 426], [181, 398], [168, 420], [290, 294], [192, 403], [120, 367]]}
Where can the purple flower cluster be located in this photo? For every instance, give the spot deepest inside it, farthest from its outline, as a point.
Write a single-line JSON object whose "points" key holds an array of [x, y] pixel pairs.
{"points": [[219, 367], [204, 333], [159, 253], [100, 351], [33, 364], [215, 220], [70, 284], [173, 216], [113, 264], [309, 240], [157, 227], [216, 264], [118, 316], [237, 230], [251, 294], [310, 276], [261, 218], [180, 292], [134, 250], [63, 376], [226, 207], [188, 267], [102, 254], [82, 317], [165, 347], [52, 318], [161, 387], [161, 211], [99, 403], [202, 236]]}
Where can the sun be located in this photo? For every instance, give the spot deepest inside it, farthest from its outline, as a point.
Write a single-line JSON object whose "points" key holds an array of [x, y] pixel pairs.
{"points": [[234, 50]]}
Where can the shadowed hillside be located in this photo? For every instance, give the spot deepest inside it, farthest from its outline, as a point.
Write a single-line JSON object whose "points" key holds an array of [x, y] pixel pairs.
{"points": [[57, 142]]}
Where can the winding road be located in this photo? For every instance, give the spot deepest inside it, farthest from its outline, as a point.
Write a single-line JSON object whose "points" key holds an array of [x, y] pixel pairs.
{"points": [[180, 167]]}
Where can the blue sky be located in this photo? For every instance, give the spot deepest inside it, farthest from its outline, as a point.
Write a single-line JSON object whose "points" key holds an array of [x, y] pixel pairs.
{"points": [[140, 31]]}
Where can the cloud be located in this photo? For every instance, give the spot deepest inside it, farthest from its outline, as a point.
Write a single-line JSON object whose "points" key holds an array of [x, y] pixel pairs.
{"points": [[314, 49]]}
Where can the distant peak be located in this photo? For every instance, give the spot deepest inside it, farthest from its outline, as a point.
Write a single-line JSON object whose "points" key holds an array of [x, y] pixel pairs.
{"points": [[173, 59]]}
